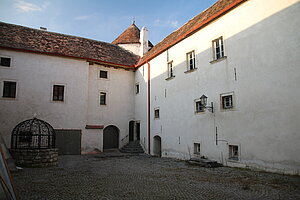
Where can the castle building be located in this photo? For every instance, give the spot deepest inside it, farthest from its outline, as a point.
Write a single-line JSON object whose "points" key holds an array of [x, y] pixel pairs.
{"points": [[224, 86]]}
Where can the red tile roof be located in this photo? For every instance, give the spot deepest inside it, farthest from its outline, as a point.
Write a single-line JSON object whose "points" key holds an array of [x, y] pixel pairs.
{"points": [[130, 36], [39, 41], [220, 8]]}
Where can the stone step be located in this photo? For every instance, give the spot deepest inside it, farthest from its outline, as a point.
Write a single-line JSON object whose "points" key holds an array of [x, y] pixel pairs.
{"points": [[132, 147], [203, 162]]}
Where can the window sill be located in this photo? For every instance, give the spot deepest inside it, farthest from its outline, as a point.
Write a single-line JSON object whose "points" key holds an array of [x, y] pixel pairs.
{"points": [[218, 60], [170, 78], [8, 98], [191, 70], [199, 113], [234, 160], [53, 101], [227, 109]]}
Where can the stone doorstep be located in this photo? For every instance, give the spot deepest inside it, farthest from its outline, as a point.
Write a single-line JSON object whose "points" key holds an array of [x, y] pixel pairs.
{"points": [[204, 162]]}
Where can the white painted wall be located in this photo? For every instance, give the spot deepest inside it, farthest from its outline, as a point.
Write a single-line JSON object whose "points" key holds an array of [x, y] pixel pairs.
{"points": [[134, 48], [35, 74], [120, 103], [264, 123], [141, 75]]}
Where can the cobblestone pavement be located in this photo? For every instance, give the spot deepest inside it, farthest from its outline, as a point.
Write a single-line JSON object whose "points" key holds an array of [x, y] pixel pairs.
{"points": [[143, 177]]}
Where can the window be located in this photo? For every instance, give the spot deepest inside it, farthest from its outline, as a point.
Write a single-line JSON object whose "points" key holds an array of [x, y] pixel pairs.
{"points": [[191, 60], [233, 152], [170, 69], [137, 88], [5, 62], [197, 148], [102, 98], [218, 48], [227, 102], [199, 107], [58, 92], [103, 74], [156, 113], [9, 89]]}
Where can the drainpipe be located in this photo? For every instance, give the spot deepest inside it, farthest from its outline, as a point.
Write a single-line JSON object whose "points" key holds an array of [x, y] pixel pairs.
{"points": [[148, 99]]}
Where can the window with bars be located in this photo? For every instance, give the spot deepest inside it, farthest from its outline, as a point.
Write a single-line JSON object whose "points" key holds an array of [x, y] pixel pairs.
{"points": [[9, 89], [191, 64], [156, 113], [58, 92], [227, 102], [137, 88], [218, 48], [233, 152], [103, 74], [102, 98], [170, 69], [5, 61], [197, 148]]}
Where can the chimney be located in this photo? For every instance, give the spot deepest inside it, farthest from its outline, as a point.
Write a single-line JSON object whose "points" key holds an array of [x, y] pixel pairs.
{"points": [[144, 41], [43, 28]]}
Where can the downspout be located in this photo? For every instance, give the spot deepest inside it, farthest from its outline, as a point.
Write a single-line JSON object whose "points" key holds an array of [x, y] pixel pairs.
{"points": [[148, 99]]}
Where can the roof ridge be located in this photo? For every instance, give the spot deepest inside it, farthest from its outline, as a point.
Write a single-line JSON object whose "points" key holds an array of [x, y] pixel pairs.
{"points": [[63, 34], [28, 39]]}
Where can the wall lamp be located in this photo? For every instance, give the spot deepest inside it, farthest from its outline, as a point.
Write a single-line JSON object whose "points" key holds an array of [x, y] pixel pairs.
{"points": [[203, 100]]}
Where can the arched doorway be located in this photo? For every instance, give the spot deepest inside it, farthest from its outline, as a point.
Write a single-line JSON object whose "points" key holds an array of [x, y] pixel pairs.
{"points": [[110, 137], [157, 146]]}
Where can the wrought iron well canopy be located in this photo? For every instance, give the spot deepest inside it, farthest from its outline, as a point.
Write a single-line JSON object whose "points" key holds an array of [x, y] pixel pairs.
{"points": [[33, 134]]}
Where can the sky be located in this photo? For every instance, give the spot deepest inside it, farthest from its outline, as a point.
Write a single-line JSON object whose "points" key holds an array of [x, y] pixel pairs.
{"points": [[102, 20]]}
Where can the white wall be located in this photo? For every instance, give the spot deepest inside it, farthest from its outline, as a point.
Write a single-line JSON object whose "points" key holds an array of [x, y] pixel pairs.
{"points": [[120, 103], [134, 48], [264, 123], [35, 74], [141, 77]]}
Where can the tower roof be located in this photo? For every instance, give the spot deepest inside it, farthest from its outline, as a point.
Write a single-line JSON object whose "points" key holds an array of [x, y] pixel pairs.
{"points": [[130, 35]]}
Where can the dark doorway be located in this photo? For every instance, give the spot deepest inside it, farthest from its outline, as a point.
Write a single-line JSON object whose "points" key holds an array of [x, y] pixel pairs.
{"points": [[138, 128], [131, 130], [157, 146], [111, 137], [68, 142]]}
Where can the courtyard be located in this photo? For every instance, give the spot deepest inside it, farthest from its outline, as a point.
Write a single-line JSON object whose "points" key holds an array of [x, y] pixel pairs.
{"points": [[119, 176]]}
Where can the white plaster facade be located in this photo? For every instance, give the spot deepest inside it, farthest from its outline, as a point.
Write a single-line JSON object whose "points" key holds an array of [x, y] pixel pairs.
{"points": [[261, 69], [36, 74]]}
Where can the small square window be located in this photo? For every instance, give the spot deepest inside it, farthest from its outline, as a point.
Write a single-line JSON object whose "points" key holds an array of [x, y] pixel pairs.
{"points": [[58, 92], [233, 152], [197, 148], [9, 89], [156, 113], [190, 57], [170, 69], [227, 102], [5, 62], [102, 98], [218, 48], [103, 74], [199, 107], [137, 88]]}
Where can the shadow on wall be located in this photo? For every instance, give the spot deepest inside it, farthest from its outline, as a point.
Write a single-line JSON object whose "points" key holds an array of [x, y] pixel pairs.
{"points": [[255, 56]]}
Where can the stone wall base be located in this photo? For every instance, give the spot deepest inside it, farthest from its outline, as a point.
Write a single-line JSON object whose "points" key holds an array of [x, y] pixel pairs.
{"points": [[35, 157]]}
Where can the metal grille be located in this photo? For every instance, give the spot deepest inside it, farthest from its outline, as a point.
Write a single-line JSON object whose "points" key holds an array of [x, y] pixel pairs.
{"points": [[33, 134]]}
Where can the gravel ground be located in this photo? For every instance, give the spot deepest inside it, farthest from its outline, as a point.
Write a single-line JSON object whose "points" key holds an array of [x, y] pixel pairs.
{"points": [[116, 176]]}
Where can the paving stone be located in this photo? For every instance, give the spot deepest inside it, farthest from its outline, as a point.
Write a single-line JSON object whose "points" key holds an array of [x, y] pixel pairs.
{"points": [[124, 176]]}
